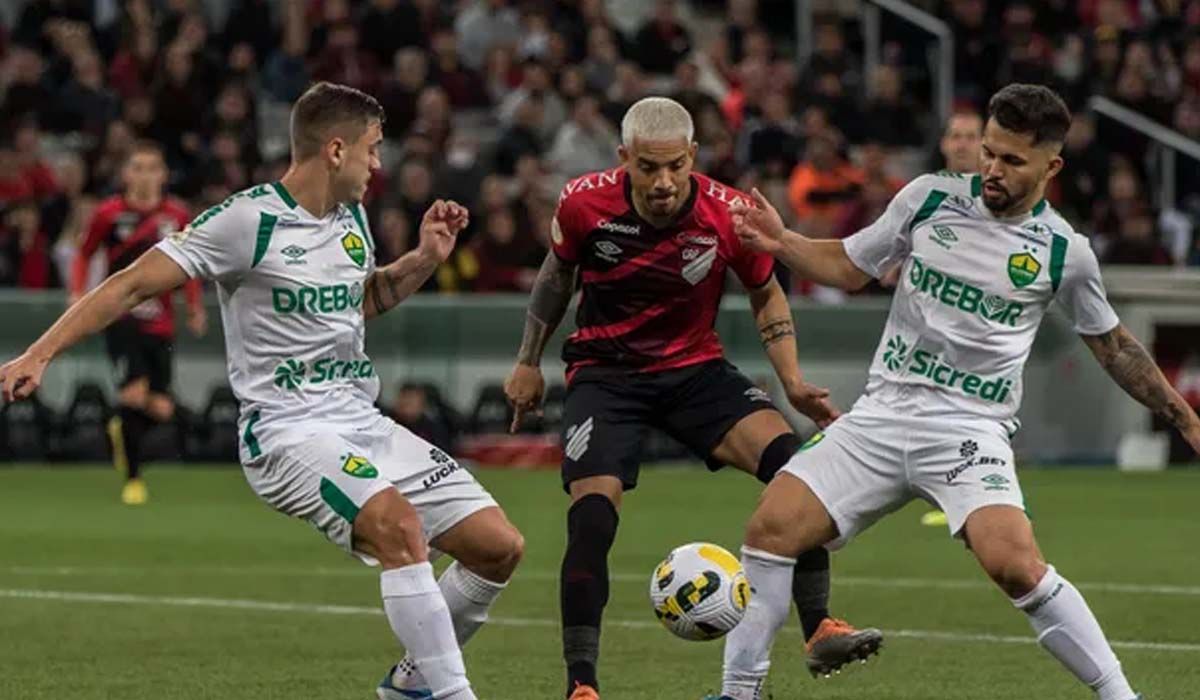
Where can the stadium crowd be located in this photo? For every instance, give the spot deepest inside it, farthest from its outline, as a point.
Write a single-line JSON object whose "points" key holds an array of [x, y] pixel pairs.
{"points": [[497, 103]]}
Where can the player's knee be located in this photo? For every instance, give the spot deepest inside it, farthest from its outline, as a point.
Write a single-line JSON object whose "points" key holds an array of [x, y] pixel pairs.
{"points": [[134, 395], [394, 539], [771, 531], [503, 556], [1016, 572], [593, 520]]}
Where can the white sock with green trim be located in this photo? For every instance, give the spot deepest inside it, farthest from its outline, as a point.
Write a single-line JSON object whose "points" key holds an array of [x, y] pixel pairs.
{"points": [[748, 646], [1067, 629], [420, 619], [469, 597]]}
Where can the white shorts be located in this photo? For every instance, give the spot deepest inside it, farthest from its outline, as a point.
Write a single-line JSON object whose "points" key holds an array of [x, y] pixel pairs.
{"points": [[874, 460], [326, 475]]}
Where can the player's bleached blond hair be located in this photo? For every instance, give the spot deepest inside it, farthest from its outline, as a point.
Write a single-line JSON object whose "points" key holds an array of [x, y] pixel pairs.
{"points": [[656, 119]]}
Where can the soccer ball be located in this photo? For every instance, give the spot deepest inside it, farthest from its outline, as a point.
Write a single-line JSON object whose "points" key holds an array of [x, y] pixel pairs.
{"points": [[699, 591]]}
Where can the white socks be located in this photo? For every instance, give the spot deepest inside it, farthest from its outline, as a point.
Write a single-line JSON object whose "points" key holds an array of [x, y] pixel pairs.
{"points": [[748, 646], [468, 597], [417, 612], [1066, 628]]}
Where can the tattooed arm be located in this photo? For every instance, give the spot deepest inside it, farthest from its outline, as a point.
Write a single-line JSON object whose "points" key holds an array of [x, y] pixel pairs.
{"points": [[1128, 363], [548, 303], [778, 335], [390, 285]]}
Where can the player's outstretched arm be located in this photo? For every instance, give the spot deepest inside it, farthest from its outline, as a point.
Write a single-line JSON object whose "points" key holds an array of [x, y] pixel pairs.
{"points": [[760, 228], [548, 304], [773, 317], [1128, 363], [390, 285], [150, 275]]}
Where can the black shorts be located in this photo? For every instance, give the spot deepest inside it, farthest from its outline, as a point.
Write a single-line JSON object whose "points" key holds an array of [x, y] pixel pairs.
{"points": [[608, 414], [137, 355]]}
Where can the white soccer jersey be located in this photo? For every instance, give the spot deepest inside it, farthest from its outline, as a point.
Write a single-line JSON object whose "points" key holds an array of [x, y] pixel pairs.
{"points": [[291, 292], [972, 292]]}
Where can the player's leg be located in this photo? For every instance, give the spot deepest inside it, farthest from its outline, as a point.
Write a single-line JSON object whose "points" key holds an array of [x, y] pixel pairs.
{"points": [[727, 420], [1002, 539], [333, 484], [790, 519], [838, 484], [128, 427], [605, 427]]}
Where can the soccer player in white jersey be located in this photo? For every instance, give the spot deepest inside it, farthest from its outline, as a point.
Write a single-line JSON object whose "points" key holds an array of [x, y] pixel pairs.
{"points": [[983, 256], [294, 268]]}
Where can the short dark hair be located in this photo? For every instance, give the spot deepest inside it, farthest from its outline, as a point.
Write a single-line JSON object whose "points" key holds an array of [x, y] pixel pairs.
{"points": [[1031, 109], [327, 106], [145, 146]]}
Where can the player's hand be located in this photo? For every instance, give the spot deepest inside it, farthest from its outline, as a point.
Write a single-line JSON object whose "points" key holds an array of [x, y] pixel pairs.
{"points": [[440, 228], [814, 402], [524, 388], [759, 227], [21, 377], [198, 321]]}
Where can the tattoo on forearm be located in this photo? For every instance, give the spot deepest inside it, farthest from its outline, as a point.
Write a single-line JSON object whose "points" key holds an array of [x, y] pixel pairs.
{"points": [[548, 302], [774, 330], [1128, 363]]}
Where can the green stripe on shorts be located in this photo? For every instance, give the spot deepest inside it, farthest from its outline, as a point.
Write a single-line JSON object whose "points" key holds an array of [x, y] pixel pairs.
{"points": [[338, 501]]}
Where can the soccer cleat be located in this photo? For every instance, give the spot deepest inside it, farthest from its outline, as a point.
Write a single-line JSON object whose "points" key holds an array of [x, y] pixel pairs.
{"points": [[134, 493], [584, 692], [388, 690], [836, 643]]}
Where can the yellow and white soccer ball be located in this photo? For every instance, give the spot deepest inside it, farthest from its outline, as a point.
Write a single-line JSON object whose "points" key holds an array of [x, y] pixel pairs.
{"points": [[699, 591]]}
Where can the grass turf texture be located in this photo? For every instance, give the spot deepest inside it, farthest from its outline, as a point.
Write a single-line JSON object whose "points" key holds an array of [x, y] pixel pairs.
{"points": [[204, 535]]}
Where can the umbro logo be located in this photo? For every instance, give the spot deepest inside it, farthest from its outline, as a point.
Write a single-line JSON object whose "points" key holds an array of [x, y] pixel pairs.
{"points": [[607, 250], [944, 236], [294, 255]]}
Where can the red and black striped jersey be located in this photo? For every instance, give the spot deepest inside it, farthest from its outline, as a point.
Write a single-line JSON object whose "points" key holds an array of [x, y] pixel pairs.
{"points": [[126, 232], [649, 295]]}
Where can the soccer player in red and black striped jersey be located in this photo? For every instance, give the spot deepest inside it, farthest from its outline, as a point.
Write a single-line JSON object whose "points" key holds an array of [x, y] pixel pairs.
{"points": [[652, 241], [125, 226]]}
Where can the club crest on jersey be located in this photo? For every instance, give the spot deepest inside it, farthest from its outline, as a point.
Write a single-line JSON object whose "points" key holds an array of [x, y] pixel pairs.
{"points": [[353, 244], [696, 270], [1023, 269]]}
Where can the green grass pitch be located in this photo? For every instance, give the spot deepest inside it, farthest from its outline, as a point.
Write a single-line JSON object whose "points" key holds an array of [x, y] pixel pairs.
{"points": [[206, 593]]}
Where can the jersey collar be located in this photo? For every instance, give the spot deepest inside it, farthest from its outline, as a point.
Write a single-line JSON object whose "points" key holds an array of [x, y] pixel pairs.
{"points": [[977, 193], [683, 212]]}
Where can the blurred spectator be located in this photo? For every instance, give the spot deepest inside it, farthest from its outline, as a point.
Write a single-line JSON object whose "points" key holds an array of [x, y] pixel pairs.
{"points": [[85, 103], [29, 264], [392, 232], [628, 87], [1137, 242], [587, 142], [388, 26], [433, 120], [502, 258], [133, 67], [285, 75], [688, 91], [773, 140], [663, 41], [888, 115], [39, 182], [181, 101], [462, 85], [415, 186], [411, 409], [821, 184], [483, 25], [1085, 161], [343, 60], [960, 142], [830, 57], [398, 96], [536, 83], [600, 65], [746, 94], [977, 53], [25, 94]]}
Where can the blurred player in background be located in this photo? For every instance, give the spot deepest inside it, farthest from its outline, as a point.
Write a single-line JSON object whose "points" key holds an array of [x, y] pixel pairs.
{"points": [[296, 277], [140, 343], [984, 256], [652, 242]]}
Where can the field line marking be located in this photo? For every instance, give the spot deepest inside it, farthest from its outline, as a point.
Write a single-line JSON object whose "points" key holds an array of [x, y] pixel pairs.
{"points": [[322, 609], [535, 575]]}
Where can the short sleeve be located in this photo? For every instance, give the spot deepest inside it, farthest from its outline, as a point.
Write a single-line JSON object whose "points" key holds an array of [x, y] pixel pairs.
{"points": [[566, 231], [753, 269], [217, 244], [879, 246], [1081, 292]]}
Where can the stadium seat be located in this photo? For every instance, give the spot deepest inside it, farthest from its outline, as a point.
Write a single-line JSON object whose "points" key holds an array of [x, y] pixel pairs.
{"points": [[491, 414], [215, 435], [26, 430], [84, 430]]}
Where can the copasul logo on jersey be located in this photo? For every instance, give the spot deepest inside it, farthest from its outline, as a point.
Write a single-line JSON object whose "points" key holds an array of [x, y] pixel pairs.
{"points": [[965, 297], [314, 300]]}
